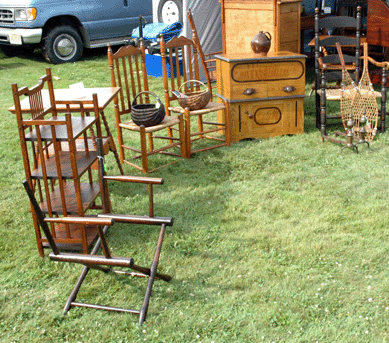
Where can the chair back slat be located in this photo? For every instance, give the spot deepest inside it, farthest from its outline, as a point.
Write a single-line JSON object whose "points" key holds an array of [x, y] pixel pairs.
{"points": [[172, 79], [119, 83], [335, 59], [180, 64], [36, 105], [338, 22], [130, 90], [126, 66], [342, 40], [187, 53], [138, 79]]}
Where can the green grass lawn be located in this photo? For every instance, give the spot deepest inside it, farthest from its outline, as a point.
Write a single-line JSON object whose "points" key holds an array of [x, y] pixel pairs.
{"points": [[276, 240]]}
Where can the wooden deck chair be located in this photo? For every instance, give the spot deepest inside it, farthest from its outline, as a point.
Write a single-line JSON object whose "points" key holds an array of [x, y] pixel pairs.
{"points": [[106, 262]]}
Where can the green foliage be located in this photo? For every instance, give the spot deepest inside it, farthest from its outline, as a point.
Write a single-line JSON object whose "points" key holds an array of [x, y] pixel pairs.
{"points": [[274, 240]]}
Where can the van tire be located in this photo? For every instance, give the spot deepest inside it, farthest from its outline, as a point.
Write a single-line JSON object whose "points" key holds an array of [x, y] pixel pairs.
{"points": [[168, 8], [62, 44]]}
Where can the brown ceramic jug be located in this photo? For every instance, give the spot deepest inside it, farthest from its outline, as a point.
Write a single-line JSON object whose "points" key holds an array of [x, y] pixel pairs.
{"points": [[261, 43]]}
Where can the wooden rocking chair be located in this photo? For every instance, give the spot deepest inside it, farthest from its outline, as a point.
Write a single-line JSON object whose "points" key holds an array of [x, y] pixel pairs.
{"points": [[208, 60]]}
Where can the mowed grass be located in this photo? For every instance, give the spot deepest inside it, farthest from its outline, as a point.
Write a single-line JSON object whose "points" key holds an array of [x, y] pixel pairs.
{"points": [[275, 240]]}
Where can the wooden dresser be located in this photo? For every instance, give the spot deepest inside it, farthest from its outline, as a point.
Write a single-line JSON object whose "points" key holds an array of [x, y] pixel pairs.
{"points": [[243, 19], [265, 94]]}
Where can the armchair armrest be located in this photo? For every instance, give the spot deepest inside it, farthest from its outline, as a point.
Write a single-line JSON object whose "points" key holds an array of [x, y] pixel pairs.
{"points": [[150, 181], [125, 218], [80, 220], [378, 64], [135, 179]]}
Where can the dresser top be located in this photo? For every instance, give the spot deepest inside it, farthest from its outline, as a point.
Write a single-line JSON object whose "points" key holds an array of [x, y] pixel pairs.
{"points": [[244, 57]]}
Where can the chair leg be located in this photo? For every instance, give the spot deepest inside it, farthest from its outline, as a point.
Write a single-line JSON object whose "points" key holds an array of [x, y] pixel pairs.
{"points": [[38, 236], [143, 145], [151, 141], [200, 124], [182, 135], [170, 134], [120, 139], [118, 160], [323, 103], [187, 132], [111, 143], [153, 271], [73, 295], [383, 99]]}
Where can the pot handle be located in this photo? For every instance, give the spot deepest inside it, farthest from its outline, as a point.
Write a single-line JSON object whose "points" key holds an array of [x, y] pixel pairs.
{"points": [[268, 33], [192, 81], [158, 100]]}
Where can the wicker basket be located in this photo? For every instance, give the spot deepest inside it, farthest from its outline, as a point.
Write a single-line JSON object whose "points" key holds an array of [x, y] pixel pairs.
{"points": [[195, 100], [147, 114]]}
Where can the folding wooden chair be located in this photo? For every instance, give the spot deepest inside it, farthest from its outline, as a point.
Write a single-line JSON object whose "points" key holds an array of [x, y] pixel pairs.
{"points": [[106, 262]]}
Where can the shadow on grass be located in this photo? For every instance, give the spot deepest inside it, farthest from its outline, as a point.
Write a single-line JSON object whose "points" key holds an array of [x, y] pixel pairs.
{"points": [[11, 66]]}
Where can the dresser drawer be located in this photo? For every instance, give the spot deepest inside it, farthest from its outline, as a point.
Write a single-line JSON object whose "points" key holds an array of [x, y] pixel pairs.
{"points": [[263, 119], [251, 80]]}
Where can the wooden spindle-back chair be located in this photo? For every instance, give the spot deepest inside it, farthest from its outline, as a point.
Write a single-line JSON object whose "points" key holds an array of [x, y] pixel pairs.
{"points": [[181, 51], [128, 71]]}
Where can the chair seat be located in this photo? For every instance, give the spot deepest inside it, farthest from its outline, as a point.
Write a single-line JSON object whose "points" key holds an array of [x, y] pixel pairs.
{"points": [[166, 122], [336, 94], [211, 107]]}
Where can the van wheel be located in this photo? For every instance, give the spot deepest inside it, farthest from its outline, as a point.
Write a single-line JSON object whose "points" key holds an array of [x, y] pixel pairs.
{"points": [[170, 11], [62, 44]]}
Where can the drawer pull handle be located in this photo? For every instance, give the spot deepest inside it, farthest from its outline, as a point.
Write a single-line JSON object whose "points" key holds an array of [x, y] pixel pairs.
{"points": [[250, 115], [289, 89], [249, 91]]}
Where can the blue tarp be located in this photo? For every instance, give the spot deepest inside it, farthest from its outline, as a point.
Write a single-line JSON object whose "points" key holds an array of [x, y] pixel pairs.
{"points": [[153, 30]]}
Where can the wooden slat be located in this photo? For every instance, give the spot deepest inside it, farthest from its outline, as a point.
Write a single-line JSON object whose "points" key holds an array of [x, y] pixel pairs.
{"points": [[88, 192], [79, 125], [84, 161]]}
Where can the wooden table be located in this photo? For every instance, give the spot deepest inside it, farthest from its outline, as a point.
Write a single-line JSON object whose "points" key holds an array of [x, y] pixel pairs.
{"points": [[105, 96]]}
